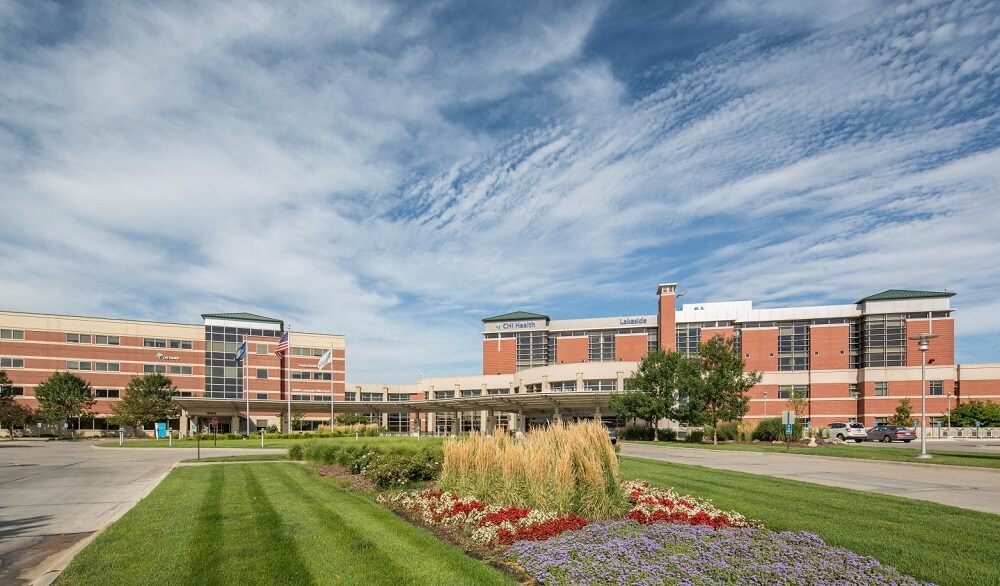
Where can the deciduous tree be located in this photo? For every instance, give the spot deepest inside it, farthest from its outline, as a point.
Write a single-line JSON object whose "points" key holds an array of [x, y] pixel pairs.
{"points": [[659, 376], [720, 394], [13, 415], [148, 399], [904, 413], [63, 396]]}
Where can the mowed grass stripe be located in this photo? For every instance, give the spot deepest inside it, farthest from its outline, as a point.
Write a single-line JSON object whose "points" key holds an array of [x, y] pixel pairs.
{"points": [[267, 524], [375, 538], [937, 543]]}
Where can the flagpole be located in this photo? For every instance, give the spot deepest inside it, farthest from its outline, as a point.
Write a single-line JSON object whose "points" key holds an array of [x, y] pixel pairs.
{"points": [[288, 385], [331, 385], [246, 381]]}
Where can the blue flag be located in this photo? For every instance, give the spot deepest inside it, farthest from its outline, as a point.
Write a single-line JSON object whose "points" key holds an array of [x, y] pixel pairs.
{"points": [[241, 353]]}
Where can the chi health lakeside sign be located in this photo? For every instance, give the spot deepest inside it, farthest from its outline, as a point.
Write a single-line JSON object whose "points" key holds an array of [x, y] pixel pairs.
{"points": [[516, 325]]}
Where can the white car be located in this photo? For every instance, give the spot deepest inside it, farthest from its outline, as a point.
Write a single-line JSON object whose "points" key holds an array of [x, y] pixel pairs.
{"points": [[848, 431]]}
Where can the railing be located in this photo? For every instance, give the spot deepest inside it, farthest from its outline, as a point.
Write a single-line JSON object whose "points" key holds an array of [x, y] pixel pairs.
{"points": [[935, 432]]}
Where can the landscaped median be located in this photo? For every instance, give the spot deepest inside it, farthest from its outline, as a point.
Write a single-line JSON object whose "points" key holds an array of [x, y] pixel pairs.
{"points": [[558, 506]]}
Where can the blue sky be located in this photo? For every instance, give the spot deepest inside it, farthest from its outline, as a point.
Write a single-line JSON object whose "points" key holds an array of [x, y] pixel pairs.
{"points": [[397, 172]]}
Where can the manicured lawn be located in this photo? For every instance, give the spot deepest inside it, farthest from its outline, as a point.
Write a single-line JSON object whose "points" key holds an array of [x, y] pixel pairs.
{"points": [[941, 544], [254, 442], [860, 452], [250, 458], [267, 524]]}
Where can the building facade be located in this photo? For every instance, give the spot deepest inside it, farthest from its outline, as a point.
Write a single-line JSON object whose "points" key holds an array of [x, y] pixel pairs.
{"points": [[199, 359]]}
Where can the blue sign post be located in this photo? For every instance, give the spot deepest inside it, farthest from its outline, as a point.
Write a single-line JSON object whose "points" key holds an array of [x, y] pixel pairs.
{"points": [[788, 429]]}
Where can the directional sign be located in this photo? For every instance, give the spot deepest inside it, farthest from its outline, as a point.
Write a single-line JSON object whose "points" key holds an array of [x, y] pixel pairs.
{"points": [[788, 417], [215, 422], [788, 429]]}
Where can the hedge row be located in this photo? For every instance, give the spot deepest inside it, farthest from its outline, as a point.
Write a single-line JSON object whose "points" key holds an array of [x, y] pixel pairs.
{"points": [[386, 468]]}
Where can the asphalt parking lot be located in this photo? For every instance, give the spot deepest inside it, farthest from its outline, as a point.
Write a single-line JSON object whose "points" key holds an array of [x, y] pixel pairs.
{"points": [[55, 496]]}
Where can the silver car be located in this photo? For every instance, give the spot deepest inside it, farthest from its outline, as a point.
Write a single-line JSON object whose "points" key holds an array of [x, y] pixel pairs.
{"points": [[846, 431]]}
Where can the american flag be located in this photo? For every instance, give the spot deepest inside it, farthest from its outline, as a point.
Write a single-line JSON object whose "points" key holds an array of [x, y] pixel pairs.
{"points": [[282, 348]]}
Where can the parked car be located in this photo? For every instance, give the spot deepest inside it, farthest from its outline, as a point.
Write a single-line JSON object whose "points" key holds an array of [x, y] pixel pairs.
{"points": [[846, 431], [613, 435], [888, 433]]}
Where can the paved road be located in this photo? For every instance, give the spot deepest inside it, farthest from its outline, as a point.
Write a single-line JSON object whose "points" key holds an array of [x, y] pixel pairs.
{"points": [[971, 488], [55, 496]]}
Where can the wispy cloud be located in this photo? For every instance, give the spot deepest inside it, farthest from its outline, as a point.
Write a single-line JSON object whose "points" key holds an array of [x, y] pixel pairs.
{"points": [[395, 173]]}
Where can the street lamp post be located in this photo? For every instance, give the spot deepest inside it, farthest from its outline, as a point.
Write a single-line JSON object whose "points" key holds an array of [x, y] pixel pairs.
{"points": [[949, 415], [765, 404], [923, 343]]}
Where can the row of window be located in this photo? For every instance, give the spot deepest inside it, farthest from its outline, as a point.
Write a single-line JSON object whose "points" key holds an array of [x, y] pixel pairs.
{"points": [[167, 369], [299, 375], [6, 334], [163, 343]]}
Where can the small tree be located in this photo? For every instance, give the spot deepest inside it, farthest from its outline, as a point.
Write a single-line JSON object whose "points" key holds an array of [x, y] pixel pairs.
{"points": [[350, 419], [967, 414], [148, 398], [297, 421], [636, 404], [63, 396], [904, 413], [13, 415], [721, 392], [659, 376]]}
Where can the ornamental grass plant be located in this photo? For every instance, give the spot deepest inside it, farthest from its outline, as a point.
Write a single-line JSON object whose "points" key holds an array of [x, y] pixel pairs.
{"points": [[562, 468]]}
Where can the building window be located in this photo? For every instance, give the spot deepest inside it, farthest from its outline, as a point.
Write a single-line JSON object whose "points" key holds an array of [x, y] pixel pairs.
{"points": [[793, 346], [17, 391], [370, 397], [261, 349], [399, 396], [322, 376], [793, 391], [261, 397], [181, 344], [444, 394], [154, 343], [532, 349], [882, 389], [472, 393], [852, 390], [79, 365], [155, 368], [399, 422], [497, 391], [601, 347], [350, 396], [854, 344], [563, 386], [179, 369], [883, 338], [936, 387], [652, 340], [8, 362], [607, 384], [301, 352], [107, 340], [300, 375], [262, 373], [318, 352], [107, 393], [687, 338], [11, 334], [77, 338], [106, 366]]}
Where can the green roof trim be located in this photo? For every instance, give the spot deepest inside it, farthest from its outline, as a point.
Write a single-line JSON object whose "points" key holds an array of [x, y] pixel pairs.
{"points": [[893, 294], [243, 316], [515, 316]]}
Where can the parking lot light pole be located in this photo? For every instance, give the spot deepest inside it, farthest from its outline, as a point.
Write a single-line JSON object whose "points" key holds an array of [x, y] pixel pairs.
{"points": [[923, 343], [765, 404]]}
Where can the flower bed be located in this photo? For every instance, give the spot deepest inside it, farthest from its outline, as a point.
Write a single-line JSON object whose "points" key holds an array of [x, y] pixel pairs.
{"points": [[486, 524], [652, 504], [624, 552]]}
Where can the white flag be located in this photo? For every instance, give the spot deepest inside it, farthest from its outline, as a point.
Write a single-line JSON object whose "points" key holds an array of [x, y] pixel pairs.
{"points": [[325, 359]]}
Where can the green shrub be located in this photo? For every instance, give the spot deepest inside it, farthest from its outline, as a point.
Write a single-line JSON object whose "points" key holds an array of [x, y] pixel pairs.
{"points": [[772, 429], [695, 436], [727, 431], [668, 435], [636, 433], [295, 452], [386, 468]]}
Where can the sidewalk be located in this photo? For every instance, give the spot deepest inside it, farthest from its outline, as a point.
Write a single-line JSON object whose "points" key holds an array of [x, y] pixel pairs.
{"points": [[977, 489]]}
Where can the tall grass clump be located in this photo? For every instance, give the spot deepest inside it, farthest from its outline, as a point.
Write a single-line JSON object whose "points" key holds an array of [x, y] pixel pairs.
{"points": [[562, 468]]}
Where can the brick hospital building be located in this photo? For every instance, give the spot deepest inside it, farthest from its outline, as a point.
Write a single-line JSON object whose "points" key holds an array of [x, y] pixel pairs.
{"points": [[851, 362]]}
